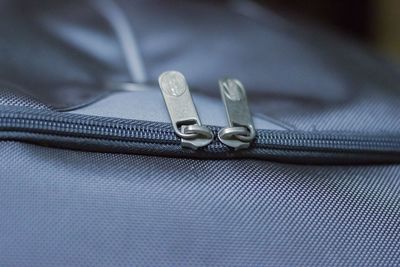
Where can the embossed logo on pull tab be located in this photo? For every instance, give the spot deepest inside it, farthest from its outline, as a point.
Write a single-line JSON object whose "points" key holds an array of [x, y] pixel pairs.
{"points": [[174, 84], [233, 90]]}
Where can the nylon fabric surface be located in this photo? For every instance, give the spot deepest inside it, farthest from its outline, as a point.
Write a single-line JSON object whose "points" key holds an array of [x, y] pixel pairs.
{"points": [[369, 111], [64, 207], [11, 97], [69, 208]]}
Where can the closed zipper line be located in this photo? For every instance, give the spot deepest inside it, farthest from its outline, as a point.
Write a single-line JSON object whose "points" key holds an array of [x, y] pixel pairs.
{"points": [[72, 125], [84, 126]]}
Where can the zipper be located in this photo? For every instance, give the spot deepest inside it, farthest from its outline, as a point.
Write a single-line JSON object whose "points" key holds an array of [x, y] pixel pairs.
{"points": [[125, 135], [141, 136], [240, 132]]}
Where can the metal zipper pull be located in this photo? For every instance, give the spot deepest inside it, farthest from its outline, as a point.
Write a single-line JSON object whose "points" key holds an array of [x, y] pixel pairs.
{"points": [[182, 111], [241, 131]]}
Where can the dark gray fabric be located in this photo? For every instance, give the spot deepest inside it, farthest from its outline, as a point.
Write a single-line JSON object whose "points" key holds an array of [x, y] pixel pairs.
{"points": [[372, 111], [68, 208], [12, 96]]}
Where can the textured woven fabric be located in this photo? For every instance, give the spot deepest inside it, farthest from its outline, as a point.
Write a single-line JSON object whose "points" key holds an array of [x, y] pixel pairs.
{"points": [[69, 208], [11, 97], [60, 207], [369, 111]]}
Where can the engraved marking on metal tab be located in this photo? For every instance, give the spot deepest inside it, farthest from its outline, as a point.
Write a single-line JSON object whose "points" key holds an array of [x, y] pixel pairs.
{"points": [[173, 85], [233, 90]]}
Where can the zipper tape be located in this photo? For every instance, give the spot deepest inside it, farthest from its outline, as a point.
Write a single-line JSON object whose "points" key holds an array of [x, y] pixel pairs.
{"points": [[92, 133]]}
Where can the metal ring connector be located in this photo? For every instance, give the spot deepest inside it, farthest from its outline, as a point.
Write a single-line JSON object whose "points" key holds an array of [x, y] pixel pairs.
{"points": [[198, 131], [237, 137], [198, 136]]}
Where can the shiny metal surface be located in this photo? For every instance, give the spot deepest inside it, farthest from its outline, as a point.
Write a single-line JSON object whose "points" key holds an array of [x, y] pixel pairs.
{"points": [[182, 111], [241, 129]]}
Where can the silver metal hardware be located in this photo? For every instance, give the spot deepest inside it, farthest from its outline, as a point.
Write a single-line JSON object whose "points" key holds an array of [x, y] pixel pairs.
{"points": [[182, 111], [241, 131]]}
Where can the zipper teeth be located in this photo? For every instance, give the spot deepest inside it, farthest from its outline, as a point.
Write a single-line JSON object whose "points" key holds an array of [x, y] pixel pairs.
{"points": [[328, 142], [154, 132], [72, 125]]}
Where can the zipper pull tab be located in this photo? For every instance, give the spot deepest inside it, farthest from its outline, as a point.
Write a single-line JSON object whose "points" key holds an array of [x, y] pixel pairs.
{"points": [[182, 111], [241, 131]]}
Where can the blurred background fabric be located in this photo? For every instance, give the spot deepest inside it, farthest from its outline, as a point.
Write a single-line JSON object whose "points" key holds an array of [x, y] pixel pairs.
{"points": [[67, 53], [375, 22]]}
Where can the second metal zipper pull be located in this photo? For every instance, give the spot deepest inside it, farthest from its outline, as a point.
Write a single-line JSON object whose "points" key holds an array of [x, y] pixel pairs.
{"points": [[182, 111], [241, 131]]}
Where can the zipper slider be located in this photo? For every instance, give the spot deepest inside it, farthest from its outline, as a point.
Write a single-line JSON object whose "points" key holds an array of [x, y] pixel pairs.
{"points": [[241, 131], [182, 111]]}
